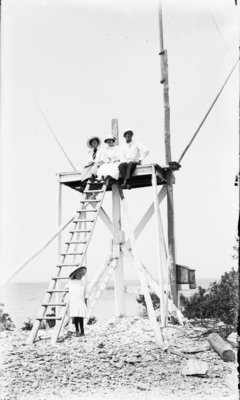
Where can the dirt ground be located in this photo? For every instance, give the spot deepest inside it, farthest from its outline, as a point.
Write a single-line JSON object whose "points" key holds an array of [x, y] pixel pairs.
{"points": [[116, 359]]}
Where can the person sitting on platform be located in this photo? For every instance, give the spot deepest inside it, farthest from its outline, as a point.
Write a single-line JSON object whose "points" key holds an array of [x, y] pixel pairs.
{"points": [[132, 154], [93, 161], [111, 159]]}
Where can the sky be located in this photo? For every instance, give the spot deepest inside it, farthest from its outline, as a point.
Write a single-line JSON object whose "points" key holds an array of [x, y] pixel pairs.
{"points": [[86, 62]]}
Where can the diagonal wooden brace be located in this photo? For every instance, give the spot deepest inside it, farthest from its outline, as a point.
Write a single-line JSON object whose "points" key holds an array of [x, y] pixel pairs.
{"points": [[144, 220]]}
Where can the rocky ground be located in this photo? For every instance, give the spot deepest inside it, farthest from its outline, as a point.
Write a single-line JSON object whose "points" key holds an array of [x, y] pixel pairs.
{"points": [[117, 359]]}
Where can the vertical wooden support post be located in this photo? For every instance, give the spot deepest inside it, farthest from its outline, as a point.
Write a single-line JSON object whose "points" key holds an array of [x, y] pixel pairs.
{"points": [[116, 207], [118, 275], [142, 277], [171, 239], [170, 210], [59, 244], [168, 265], [115, 130], [161, 247], [59, 214]]}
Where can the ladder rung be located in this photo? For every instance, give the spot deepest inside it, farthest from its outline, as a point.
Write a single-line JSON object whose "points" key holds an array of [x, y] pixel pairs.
{"points": [[77, 242], [73, 253], [60, 277], [89, 201], [84, 220], [94, 191], [85, 211], [81, 230], [41, 318], [67, 265], [96, 181], [53, 304], [57, 291]]}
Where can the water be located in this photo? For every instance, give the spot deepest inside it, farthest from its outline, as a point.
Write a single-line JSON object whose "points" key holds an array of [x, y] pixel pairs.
{"points": [[23, 300]]}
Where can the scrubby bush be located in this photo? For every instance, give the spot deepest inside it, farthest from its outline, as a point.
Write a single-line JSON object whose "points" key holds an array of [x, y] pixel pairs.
{"points": [[27, 325], [6, 323], [50, 322], [92, 320], [196, 306], [155, 301], [219, 302]]}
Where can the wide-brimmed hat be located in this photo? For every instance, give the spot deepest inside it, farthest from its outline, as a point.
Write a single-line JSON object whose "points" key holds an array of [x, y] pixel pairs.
{"points": [[131, 132], [91, 138], [73, 273], [109, 137]]}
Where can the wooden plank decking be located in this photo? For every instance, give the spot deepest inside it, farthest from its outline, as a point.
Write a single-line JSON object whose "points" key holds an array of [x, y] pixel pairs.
{"points": [[142, 177]]}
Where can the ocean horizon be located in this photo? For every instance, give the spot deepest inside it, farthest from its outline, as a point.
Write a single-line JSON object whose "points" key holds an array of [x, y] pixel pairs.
{"points": [[22, 300]]}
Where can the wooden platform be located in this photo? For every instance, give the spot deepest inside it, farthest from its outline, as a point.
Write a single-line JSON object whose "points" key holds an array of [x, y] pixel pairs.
{"points": [[142, 177]]}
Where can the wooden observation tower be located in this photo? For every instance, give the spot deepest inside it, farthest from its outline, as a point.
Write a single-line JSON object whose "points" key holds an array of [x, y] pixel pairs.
{"points": [[123, 244], [123, 241]]}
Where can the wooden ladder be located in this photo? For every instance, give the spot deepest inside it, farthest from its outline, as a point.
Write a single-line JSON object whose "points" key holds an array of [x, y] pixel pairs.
{"points": [[101, 285], [72, 257]]}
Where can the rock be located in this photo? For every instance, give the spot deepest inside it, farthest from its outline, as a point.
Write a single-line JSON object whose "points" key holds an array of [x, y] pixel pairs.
{"points": [[231, 380], [132, 360], [142, 386], [127, 357], [119, 364], [233, 339], [194, 367], [148, 359]]}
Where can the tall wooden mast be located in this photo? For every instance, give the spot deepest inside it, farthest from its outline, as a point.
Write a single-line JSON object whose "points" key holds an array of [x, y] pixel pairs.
{"points": [[170, 208]]}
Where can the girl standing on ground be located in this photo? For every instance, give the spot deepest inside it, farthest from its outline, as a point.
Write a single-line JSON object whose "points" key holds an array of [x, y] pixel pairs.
{"points": [[78, 299]]}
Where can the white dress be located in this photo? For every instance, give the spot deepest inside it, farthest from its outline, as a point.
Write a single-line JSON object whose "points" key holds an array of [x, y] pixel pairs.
{"points": [[77, 295], [111, 160], [91, 167]]}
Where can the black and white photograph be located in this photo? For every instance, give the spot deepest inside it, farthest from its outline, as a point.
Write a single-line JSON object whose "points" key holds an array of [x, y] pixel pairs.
{"points": [[119, 200]]}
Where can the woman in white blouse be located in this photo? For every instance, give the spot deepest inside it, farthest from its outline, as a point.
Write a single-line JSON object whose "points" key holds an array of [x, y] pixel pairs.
{"points": [[89, 171], [111, 159]]}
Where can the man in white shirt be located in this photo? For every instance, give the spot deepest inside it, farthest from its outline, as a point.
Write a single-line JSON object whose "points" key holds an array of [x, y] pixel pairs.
{"points": [[132, 154]]}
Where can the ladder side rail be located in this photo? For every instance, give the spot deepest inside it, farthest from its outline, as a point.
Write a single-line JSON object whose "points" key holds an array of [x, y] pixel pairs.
{"points": [[91, 289], [102, 285], [92, 285], [77, 246], [59, 324], [94, 222], [92, 293], [49, 294], [63, 314], [78, 226], [47, 299], [142, 278]]}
